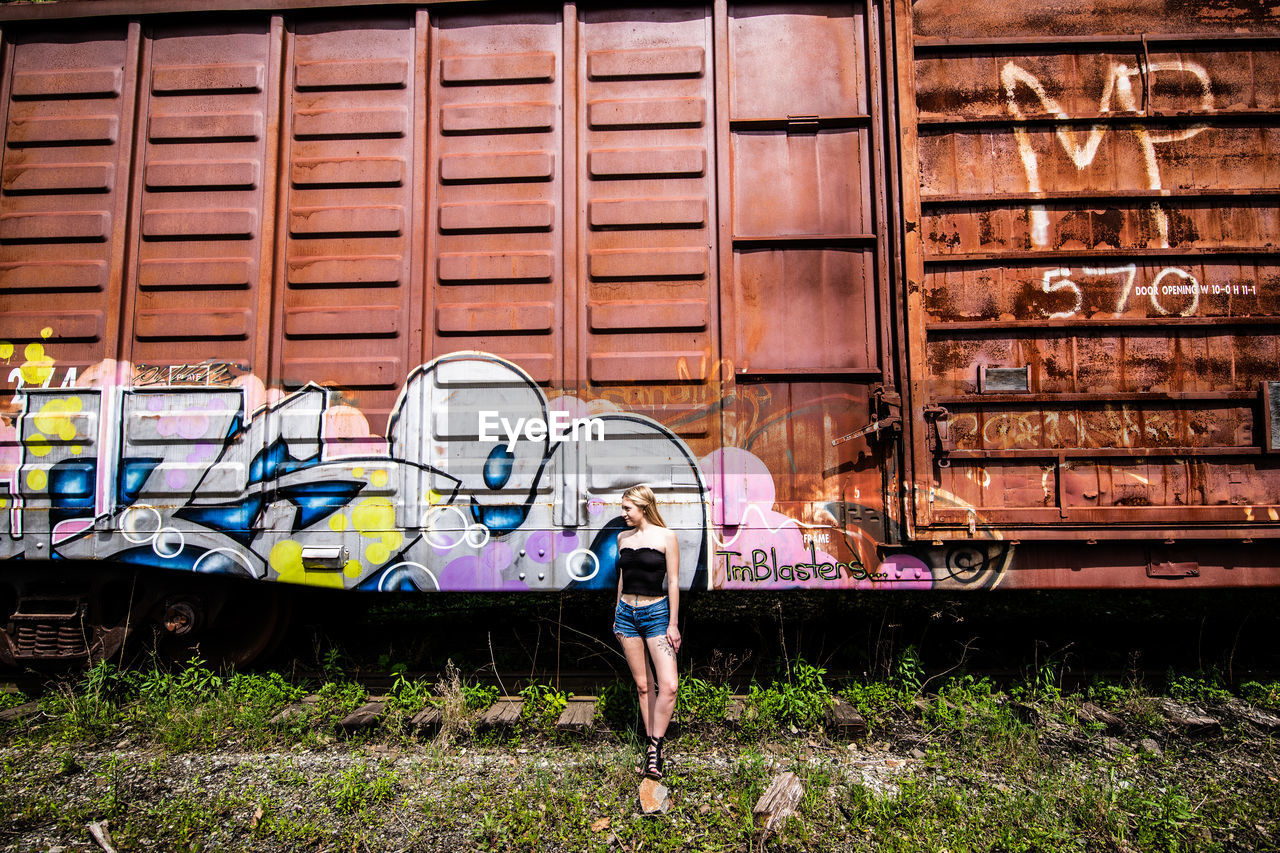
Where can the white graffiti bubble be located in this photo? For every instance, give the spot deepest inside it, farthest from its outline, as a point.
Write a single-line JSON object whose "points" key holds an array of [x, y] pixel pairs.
{"points": [[391, 572], [432, 531], [477, 536], [233, 554], [140, 524], [575, 561], [168, 542]]}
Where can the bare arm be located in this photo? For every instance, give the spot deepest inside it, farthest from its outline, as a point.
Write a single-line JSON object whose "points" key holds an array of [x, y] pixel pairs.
{"points": [[673, 590]]}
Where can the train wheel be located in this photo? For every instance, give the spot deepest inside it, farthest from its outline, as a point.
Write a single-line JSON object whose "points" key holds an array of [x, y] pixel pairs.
{"points": [[231, 631]]}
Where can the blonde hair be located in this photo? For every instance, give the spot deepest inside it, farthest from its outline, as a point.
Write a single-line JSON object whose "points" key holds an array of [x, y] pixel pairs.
{"points": [[643, 497]]}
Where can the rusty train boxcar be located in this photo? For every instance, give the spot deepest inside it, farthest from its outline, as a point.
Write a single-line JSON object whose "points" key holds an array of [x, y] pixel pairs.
{"points": [[395, 297]]}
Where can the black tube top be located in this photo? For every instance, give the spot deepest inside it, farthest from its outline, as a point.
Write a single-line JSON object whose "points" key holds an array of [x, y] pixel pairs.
{"points": [[643, 570]]}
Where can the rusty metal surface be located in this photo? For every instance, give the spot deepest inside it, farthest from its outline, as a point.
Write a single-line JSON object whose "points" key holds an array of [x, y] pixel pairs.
{"points": [[871, 300], [1099, 210]]}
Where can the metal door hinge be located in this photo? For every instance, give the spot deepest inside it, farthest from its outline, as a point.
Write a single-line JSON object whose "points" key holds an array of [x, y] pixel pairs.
{"points": [[938, 423]]}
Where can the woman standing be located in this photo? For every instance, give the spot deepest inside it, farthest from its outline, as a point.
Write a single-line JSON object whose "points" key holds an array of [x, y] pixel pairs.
{"points": [[646, 615]]}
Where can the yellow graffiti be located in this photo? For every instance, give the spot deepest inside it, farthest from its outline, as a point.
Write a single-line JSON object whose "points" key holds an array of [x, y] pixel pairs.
{"points": [[54, 417], [352, 569], [434, 497], [373, 514], [286, 559], [378, 478], [38, 368], [375, 518], [37, 480], [6, 350], [337, 522], [55, 420]]}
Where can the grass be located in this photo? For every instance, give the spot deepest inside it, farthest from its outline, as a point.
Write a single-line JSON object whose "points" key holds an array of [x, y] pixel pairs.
{"points": [[963, 768]]}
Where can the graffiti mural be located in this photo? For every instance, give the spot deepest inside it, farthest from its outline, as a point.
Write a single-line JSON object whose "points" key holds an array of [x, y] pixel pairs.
{"points": [[186, 478], [482, 482]]}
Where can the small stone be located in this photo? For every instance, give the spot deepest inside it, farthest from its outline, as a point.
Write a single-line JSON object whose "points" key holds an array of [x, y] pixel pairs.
{"points": [[1112, 745], [1148, 746], [917, 753], [653, 797]]}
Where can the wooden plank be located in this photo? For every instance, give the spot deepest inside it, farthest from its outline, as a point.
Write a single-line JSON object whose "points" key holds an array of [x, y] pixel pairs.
{"points": [[845, 719], [291, 713], [578, 716], [426, 720], [367, 715], [780, 799], [19, 712], [504, 713], [1095, 714], [1191, 720]]}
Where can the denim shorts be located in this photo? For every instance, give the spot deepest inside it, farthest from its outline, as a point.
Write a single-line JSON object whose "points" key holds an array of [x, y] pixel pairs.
{"points": [[647, 620]]}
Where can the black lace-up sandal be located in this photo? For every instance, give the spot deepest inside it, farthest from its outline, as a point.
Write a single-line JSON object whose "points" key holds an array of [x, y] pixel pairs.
{"points": [[654, 760]]}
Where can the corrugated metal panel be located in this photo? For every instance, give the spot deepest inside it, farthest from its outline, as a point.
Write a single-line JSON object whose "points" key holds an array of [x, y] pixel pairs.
{"points": [[647, 185], [497, 85], [68, 134], [349, 216], [202, 190], [1099, 211]]}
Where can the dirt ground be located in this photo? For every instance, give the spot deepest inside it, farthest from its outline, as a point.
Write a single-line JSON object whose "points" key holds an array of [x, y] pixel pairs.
{"points": [[922, 781]]}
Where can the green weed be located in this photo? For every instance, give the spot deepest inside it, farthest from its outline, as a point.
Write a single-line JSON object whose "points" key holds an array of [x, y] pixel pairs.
{"points": [[1264, 695], [800, 701], [875, 700], [699, 701], [1198, 688], [619, 706], [409, 695], [542, 704], [908, 672], [359, 788]]}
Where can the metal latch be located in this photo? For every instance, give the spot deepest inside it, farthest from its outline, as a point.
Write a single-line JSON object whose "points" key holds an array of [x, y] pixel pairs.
{"points": [[802, 124], [938, 421], [886, 413], [330, 558]]}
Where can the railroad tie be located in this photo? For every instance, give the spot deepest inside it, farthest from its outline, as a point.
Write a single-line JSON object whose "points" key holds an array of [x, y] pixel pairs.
{"points": [[578, 716], [427, 720], [19, 712], [733, 712], [503, 714], [367, 715], [296, 711], [845, 720]]}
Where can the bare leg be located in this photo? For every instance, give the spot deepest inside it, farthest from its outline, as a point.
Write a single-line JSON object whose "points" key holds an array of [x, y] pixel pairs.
{"points": [[633, 648], [664, 696]]}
